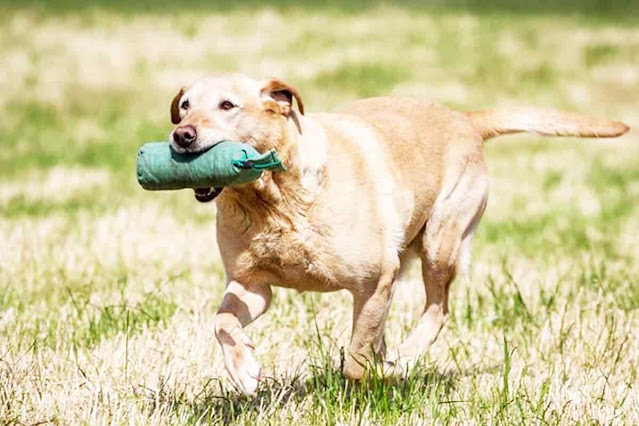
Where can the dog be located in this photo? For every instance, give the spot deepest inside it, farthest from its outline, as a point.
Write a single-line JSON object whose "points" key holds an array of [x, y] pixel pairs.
{"points": [[364, 189]]}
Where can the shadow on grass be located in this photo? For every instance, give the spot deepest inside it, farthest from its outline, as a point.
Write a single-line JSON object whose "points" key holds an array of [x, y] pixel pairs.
{"points": [[324, 396]]}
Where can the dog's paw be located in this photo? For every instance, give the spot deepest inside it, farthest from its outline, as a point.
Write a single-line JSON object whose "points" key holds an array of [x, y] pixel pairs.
{"points": [[248, 374], [244, 369], [397, 366]]}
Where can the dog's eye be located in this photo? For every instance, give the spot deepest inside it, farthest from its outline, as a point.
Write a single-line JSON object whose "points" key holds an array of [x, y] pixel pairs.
{"points": [[227, 105], [185, 104]]}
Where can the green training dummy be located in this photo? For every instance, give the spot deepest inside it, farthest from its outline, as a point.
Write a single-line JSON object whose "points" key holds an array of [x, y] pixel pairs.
{"points": [[227, 163]]}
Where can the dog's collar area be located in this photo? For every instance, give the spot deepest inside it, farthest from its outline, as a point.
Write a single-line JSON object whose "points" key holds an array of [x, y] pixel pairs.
{"points": [[204, 195]]}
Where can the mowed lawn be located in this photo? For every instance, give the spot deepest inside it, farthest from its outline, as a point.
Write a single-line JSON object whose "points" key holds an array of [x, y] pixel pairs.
{"points": [[108, 292]]}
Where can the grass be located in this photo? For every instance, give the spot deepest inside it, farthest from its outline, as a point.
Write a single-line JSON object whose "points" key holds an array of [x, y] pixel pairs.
{"points": [[107, 292]]}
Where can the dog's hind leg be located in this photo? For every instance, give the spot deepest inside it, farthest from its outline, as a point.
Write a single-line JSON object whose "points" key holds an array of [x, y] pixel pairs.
{"points": [[447, 234], [241, 305]]}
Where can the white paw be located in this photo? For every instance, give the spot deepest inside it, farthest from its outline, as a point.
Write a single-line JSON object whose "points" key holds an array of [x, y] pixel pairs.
{"points": [[248, 374], [243, 368], [397, 366]]}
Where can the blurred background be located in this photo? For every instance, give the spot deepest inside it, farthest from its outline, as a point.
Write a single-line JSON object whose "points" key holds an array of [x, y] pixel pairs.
{"points": [[107, 292], [84, 83]]}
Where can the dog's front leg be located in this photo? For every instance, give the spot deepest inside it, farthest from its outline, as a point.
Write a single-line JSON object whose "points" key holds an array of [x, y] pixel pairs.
{"points": [[241, 305], [369, 316]]}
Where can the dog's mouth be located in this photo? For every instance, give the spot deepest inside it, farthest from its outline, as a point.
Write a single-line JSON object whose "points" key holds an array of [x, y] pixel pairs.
{"points": [[204, 195]]}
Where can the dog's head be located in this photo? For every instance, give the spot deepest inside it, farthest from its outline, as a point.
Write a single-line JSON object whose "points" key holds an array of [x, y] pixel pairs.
{"points": [[234, 108]]}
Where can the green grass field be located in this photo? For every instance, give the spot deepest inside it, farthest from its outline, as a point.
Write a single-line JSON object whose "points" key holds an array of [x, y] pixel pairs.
{"points": [[108, 292]]}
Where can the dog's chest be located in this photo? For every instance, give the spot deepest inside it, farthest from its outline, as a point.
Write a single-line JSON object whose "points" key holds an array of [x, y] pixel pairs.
{"points": [[304, 251], [298, 258]]}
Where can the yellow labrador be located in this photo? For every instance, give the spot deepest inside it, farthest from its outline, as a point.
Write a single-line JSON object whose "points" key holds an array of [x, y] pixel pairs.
{"points": [[363, 190]]}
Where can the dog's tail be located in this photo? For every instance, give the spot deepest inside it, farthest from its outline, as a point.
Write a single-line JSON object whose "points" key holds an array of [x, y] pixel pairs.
{"points": [[491, 123]]}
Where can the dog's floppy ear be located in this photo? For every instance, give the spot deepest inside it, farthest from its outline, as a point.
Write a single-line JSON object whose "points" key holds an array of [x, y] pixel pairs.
{"points": [[277, 96], [175, 107]]}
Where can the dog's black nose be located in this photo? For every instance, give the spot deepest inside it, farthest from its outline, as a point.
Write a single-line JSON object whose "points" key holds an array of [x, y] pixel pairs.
{"points": [[184, 135]]}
